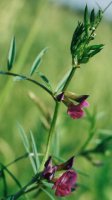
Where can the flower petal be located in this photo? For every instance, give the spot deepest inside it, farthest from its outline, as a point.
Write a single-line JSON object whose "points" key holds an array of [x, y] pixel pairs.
{"points": [[84, 104], [65, 183], [49, 170], [75, 111]]}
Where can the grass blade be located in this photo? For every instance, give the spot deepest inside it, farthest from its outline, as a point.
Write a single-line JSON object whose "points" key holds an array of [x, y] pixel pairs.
{"points": [[33, 163], [11, 55], [27, 146], [24, 138], [37, 162]]}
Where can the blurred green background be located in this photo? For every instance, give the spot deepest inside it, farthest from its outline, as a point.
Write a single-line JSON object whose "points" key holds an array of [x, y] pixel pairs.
{"points": [[39, 24]]}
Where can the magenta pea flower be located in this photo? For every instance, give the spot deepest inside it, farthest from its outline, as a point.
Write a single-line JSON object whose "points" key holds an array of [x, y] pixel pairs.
{"points": [[76, 111], [64, 184], [50, 169]]}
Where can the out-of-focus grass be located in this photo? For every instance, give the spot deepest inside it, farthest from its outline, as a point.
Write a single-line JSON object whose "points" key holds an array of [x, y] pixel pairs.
{"points": [[37, 24]]}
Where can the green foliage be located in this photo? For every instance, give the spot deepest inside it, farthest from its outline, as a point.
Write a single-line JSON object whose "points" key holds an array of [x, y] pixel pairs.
{"points": [[11, 55], [19, 78], [92, 18], [10, 198], [83, 35], [104, 145], [5, 169], [37, 61], [33, 155], [24, 138], [61, 84], [86, 20], [35, 152], [45, 79], [48, 193], [3, 176]]}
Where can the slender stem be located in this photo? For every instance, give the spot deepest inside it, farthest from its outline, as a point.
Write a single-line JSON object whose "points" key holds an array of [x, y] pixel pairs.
{"points": [[50, 134], [87, 152], [37, 193], [107, 6], [88, 140], [17, 159], [31, 189], [70, 77], [5, 184], [21, 192], [55, 117], [11, 175], [24, 190], [27, 79], [91, 134]]}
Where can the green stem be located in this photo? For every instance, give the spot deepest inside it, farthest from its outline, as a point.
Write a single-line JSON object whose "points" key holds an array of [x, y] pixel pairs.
{"points": [[70, 77], [27, 79], [85, 153], [17, 159], [50, 135], [21, 192], [24, 190], [31, 189], [11, 175], [91, 134], [55, 118], [5, 189]]}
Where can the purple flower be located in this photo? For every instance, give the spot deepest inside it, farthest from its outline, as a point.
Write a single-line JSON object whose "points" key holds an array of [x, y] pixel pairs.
{"points": [[64, 184], [76, 111], [49, 170]]}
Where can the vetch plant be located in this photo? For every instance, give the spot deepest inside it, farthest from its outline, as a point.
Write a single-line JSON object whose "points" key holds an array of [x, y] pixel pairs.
{"points": [[51, 172]]}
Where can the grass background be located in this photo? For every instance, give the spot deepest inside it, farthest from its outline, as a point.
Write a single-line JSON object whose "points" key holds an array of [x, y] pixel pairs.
{"points": [[37, 24]]}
